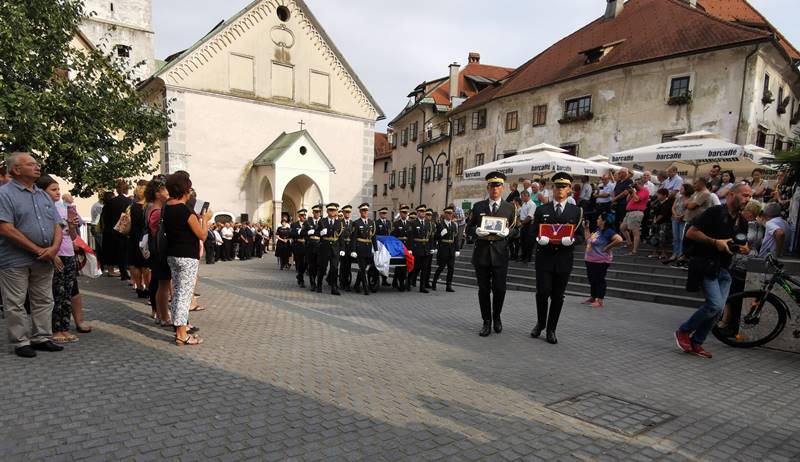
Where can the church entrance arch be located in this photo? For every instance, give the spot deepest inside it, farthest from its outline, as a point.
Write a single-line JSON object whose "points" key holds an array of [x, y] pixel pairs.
{"points": [[301, 192]]}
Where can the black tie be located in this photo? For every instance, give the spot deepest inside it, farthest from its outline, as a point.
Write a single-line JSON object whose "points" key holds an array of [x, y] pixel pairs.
{"points": [[494, 208], [558, 210]]}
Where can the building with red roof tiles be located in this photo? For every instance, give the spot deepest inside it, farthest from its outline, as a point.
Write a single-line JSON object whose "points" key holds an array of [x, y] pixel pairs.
{"points": [[421, 133], [383, 177], [643, 72]]}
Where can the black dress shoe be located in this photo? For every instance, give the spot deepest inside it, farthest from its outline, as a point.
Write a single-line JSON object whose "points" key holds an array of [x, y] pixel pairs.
{"points": [[551, 337], [25, 352], [47, 346], [487, 329], [423, 290], [449, 289], [498, 326], [537, 331]]}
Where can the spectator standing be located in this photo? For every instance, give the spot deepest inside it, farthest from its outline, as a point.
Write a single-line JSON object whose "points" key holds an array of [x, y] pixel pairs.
{"points": [[673, 182], [140, 272], [514, 194], [115, 250], [227, 242], [648, 183], [776, 231], [282, 245], [218, 242], [598, 256], [605, 193], [585, 197], [527, 233], [619, 201], [725, 187], [30, 238], [631, 228], [662, 222], [461, 221], [209, 245], [679, 221], [759, 185], [713, 179], [536, 194], [528, 185], [545, 192], [712, 233]]}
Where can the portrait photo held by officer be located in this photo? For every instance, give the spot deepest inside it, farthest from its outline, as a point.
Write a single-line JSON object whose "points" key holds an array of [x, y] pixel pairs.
{"points": [[447, 244], [491, 254], [554, 224]]}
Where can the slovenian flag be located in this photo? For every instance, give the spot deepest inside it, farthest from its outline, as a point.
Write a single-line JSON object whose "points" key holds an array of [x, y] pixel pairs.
{"points": [[397, 249]]}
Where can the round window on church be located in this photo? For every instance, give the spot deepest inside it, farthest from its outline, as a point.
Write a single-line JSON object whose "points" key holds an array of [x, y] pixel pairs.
{"points": [[283, 13], [303, 150]]}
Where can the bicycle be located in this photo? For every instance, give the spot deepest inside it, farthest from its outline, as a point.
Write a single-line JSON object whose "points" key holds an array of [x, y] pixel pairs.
{"points": [[766, 314]]}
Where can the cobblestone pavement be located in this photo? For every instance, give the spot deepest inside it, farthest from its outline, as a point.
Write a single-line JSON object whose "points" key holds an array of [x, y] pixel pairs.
{"points": [[286, 374]]}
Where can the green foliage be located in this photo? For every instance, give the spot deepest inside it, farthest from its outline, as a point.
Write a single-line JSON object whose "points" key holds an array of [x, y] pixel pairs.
{"points": [[88, 125]]}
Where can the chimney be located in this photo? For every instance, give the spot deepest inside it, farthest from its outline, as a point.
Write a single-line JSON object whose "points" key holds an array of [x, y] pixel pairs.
{"points": [[454, 68], [613, 8], [474, 58], [692, 3]]}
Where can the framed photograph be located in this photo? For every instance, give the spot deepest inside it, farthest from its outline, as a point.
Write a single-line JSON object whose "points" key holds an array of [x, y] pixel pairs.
{"points": [[492, 224]]}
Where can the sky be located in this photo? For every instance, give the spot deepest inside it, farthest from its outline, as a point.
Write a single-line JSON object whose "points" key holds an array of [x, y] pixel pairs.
{"points": [[394, 46]]}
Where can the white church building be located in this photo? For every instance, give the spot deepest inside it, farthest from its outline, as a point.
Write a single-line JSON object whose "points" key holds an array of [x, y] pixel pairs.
{"points": [[269, 116]]}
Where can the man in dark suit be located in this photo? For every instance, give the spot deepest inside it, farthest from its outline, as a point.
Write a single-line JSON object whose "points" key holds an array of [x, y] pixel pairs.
{"points": [[418, 238], [312, 245], [554, 259], [329, 230], [345, 262], [383, 227], [400, 231], [363, 241], [298, 236], [490, 257], [446, 237]]}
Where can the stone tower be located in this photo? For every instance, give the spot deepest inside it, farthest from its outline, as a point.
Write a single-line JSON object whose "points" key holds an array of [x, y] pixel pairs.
{"points": [[124, 27]]}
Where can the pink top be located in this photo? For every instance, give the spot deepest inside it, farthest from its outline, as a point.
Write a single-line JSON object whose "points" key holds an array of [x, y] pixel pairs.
{"points": [[644, 196], [66, 249]]}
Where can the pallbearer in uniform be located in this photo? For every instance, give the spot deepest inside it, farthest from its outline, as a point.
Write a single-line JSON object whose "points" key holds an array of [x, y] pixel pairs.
{"points": [[419, 238], [363, 241], [446, 237], [345, 261], [299, 246], [329, 230], [554, 257], [383, 227], [400, 231], [312, 245], [490, 257], [412, 219], [431, 247]]}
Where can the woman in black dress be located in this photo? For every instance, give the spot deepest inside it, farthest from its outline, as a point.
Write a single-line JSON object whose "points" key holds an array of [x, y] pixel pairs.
{"points": [[139, 268], [282, 248]]}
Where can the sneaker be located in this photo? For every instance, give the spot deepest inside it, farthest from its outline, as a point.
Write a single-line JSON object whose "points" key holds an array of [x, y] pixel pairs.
{"points": [[683, 341], [700, 351]]}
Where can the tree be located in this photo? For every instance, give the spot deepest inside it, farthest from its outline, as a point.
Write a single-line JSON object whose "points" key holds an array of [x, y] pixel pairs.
{"points": [[77, 110]]}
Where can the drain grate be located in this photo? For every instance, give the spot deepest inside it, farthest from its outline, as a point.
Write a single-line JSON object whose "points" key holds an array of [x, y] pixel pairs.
{"points": [[612, 413]]}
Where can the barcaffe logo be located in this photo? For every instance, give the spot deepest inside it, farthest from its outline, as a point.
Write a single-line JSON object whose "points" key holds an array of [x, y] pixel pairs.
{"points": [[669, 156], [472, 175], [540, 168], [723, 153], [625, 158]]}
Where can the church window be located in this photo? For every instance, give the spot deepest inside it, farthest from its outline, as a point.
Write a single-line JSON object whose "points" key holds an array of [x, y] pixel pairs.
{"points": [[414, 130], [303, 150], [459, 166], [283, 13], [426, 174], [479, 119], [439, 171], [479, 159], [123, 51], [241, 73]]}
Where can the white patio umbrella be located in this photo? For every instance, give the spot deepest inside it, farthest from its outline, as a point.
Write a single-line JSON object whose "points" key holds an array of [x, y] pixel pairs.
{"points": [[542, 159], [601, 159], [694, 149]]}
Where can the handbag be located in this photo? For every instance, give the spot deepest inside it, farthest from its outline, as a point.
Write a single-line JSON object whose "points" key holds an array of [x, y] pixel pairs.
{"points": [[144, 246], [123, 225]]}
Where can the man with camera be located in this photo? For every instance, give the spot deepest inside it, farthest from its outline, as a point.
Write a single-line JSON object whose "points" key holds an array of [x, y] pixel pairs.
{"points": [[712, 239]]}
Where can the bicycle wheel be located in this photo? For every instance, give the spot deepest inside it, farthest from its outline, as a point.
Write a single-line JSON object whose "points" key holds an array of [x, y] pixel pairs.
{"points": [[759, 323]]}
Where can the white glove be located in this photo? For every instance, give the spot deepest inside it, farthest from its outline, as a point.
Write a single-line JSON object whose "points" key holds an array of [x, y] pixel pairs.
{"points": [[324, 232], [482, 232], [443, 233], [433, 252], [458, 254], [567, 241], [504, 232], [410, 252], [310, 232], [341, 253], [353, 255], [543, 240]]}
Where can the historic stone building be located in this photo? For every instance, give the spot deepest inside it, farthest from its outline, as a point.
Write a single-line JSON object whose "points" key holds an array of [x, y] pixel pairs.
{"points": [[384, 176], [269, 116], [642, 73], [124, 27]]}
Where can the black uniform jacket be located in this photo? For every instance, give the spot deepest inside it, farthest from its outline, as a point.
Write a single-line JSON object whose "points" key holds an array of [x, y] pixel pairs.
{"points": [[362, 237], [383, 229], [446, 245], [400, 230], [491, 250], [298, 238], [329, 243], [312, 240], [419, 234], [555, 257]]}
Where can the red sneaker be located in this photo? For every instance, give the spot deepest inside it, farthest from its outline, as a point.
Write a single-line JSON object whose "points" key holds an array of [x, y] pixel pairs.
{"points": [[683, 341], [699, 351]]}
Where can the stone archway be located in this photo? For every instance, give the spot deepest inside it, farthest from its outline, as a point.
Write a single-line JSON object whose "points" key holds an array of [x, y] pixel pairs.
{"points": [[266, 202], [301, 192]]}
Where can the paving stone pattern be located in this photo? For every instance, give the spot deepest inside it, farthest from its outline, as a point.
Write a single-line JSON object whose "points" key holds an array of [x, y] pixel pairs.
{"points": [[286, 374]]}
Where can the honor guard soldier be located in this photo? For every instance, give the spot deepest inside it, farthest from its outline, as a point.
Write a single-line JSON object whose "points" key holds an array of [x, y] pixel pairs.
{"points": [[431, 247], [446, 237], [412, 219], [363, 241], [400, 231], [554, 256], [329, 230], [298, 236], [345, 262], [383, 227], [419, 239], [490, 256], [312, 245]]}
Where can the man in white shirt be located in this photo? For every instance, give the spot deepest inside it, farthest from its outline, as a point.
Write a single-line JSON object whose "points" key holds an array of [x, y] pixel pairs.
{"points": [[217, 244], [646, 180], [227, 242], [586, 191], [547, 194], [674, 182], [605, 193], [527, 186], [526, 229]]}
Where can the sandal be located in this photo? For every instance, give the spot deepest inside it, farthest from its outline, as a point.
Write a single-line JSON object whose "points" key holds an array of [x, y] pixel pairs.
{"points": [[189, 340], [197, 308], [82, 330]]}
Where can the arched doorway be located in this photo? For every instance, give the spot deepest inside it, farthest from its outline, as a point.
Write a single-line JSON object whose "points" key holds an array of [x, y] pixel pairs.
{"points": [[266, 202], [301, 192]]}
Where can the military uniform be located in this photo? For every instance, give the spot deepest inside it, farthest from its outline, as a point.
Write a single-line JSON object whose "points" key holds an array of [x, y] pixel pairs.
{"points": [[553, 260], [446, 238], [312, 246], [363, 241], [419, 244], [329, 231], [400, 231], [490, 256], [431, 248], [345, 261], [383, 227], [297, 234]]}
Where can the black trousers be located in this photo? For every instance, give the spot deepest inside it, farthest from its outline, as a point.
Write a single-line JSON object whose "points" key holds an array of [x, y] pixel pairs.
{"points": [[311, 266], [300, 266], [209, 249], [596, 272], [491, 290], [550, 285], [361, 278], [526, 242], [227, 249], [329, 265], [450, 266], [422, 270], [345, 273]]}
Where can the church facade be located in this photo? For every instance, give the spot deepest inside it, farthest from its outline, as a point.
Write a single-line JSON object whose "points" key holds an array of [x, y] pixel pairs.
{"points": [[269, 116]]}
